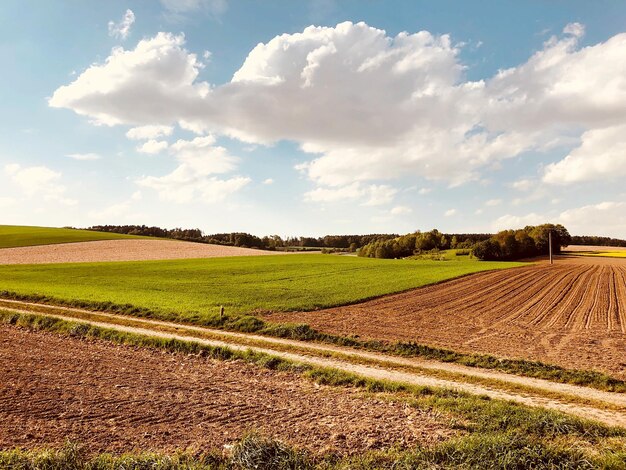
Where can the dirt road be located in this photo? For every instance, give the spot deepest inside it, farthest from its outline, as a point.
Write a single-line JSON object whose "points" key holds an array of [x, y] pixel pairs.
{"points": [[609, 408], [572, 314]]}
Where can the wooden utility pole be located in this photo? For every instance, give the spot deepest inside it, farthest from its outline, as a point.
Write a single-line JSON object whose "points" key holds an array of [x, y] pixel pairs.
{"points": [[550, 245]]}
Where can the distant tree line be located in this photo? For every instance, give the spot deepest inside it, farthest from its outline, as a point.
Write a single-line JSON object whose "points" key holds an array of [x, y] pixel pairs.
{"points": [[241, 239], [419, 242], [523, 243], [597, 241]]}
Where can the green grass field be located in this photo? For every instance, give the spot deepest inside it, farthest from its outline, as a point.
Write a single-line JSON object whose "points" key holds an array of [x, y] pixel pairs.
{"points": [[240, 284], [17, 235]]}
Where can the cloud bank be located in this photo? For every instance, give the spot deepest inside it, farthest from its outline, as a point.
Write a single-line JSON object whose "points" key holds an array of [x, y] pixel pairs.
{"points": [[369, 108]]}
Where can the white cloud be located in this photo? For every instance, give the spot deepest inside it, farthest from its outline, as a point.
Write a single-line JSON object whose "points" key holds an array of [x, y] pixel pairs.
{"points": [[379, 195], [152, 146], [601, 156], [193, 179], [365, 106], [149, 132], [424, 191], [509, 221], [38, 181], [84, 156], [575, 29], [523, 185], [401, 210], [493, 202], [607, 218], [121, 30], [370, 195], [150, 85], [268, 181], [450, 212]]}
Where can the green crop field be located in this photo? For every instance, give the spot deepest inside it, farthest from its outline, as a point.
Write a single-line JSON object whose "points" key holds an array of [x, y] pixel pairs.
{"points": [[240, 284], [17, 235]]}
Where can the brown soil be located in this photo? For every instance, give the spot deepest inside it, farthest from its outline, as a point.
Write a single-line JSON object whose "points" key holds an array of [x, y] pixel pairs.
{"points": [[121, 250], [118, 398], [572, 314]]}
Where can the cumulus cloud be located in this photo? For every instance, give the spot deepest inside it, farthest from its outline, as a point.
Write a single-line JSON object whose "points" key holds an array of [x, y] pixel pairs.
{"points": [[450, 212], [121, 30], [152, 146], [152, 84], [193, 180], [149, 132], [493, 202], [84, 156], [368, 107], [38, 181], [268, 181], [601, 156]]}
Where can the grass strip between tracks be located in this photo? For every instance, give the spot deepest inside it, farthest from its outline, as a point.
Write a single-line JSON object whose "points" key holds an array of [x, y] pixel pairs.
{"points": [[302, 332], [491, 433]]}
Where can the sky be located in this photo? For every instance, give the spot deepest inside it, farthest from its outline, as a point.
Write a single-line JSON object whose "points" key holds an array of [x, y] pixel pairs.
{"points": [[311, 118]]}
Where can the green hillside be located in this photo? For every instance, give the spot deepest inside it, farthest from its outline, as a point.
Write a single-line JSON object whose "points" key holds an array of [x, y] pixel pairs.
{"points": [[20, 235]]}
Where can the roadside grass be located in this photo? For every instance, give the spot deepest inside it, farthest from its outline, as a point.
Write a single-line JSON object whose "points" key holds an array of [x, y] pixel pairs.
{"points": [[12, 236], [490, 433], [302, 332], [195, 289]]}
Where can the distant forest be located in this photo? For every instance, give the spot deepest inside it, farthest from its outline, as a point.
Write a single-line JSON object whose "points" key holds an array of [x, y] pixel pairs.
{"points": [[505, 245], [597, 241], [275, 242]]}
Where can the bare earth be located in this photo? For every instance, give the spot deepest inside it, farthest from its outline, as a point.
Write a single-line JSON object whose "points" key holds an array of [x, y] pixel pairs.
{"points": [[572, 314], [118, 398], [121, 250], [575, 248]]}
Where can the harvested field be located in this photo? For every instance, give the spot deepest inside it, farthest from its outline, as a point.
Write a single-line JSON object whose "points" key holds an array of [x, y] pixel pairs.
{"points": [[118, 398], [572, 314], [121, 250]]}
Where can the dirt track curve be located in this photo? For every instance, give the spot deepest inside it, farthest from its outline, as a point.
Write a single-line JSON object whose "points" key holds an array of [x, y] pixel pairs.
{"points": [[606, 407], [572, 314]]}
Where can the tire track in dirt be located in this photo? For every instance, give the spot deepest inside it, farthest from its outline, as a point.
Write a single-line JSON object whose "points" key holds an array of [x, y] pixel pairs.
{"points": [[118, 398], [397, 371]]}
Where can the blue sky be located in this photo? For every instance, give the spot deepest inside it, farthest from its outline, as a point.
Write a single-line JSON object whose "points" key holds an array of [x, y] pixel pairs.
{"points": [[383, 117]]}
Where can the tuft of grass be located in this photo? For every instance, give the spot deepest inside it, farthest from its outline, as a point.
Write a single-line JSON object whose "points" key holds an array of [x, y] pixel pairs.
{"points": [[256, 451]]}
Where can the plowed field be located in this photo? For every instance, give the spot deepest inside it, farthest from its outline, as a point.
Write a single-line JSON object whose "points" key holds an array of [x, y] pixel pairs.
{"points": [[572, 313], [118, 398], [121, 250]]}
